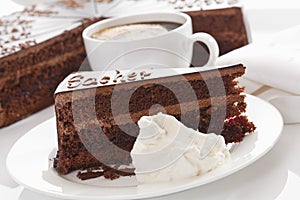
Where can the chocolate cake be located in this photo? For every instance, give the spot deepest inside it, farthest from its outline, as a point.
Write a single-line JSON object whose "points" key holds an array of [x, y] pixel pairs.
{"points": [[223, 19], [97, 112], [225, 25], [40, 46], [36, 54]]}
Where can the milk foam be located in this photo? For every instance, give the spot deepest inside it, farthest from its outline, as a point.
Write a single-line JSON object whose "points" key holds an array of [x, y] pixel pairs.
{"points": [[130, 32]]}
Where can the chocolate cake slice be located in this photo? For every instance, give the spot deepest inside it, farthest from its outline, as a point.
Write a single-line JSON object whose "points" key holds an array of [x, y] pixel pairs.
{"points": [[97, 112]]}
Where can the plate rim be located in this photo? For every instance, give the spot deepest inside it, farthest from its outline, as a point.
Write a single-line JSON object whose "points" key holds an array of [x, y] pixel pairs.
{"points": [[167, 191]]}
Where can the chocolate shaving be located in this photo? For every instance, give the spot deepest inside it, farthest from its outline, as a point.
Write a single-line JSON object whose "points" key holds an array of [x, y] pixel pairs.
{"points": [[126, 172], [106, 172], [111, 174], [89, 175]]}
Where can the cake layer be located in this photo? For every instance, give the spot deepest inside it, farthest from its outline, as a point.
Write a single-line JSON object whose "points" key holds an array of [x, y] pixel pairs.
{"points": [[25, 79], [226, 25], [231, 106], [107, 118], [111, 145], [33, 92]]}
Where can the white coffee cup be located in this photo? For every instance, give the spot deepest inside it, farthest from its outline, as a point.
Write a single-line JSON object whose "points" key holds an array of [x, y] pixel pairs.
{"points": [[171, 49]]}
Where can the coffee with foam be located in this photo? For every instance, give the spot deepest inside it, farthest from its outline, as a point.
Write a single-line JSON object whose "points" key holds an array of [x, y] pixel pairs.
{"points": [[130, 32]]}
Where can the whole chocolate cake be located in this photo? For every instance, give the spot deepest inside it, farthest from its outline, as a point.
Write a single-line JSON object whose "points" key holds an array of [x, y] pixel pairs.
{"points": [[97, 112]]}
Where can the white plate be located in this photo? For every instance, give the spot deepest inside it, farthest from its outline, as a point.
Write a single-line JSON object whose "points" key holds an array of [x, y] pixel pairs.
{"points": [[28, 161]]}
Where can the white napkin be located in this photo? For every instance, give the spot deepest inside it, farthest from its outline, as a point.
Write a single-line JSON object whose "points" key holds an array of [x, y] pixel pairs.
{"points": [[273, 71]]}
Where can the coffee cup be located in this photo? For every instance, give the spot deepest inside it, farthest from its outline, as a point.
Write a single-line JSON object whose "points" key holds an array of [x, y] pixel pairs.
{"points": [[149, 40]]}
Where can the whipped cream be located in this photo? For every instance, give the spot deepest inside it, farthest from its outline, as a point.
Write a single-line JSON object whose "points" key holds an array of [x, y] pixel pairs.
{"points": [[166, 150]]}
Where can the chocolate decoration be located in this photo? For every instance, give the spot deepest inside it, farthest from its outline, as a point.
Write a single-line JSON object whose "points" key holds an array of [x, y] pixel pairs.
{"points": [[106, 78], [104, 82], [132, 75], [131, 79], [76, 78], [17, 27], [84, 80], [75, 81], [118, 75], [90, 81]]}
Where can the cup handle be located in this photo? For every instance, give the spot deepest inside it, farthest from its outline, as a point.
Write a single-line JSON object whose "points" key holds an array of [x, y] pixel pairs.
{"points": [[211, 44]]}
